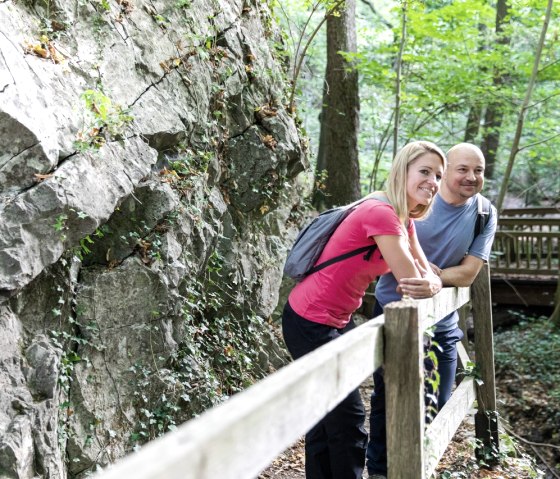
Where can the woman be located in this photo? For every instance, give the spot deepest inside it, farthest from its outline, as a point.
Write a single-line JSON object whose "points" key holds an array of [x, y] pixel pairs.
{"points": [[319, 308]]}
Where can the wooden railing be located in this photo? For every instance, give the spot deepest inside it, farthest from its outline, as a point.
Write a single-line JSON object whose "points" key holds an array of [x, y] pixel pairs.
{"points": [[527, 242], [239, 438]]}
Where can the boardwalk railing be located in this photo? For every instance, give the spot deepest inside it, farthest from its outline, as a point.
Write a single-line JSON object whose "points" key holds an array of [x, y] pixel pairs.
{"points": [[241, 437], [527, 242]]}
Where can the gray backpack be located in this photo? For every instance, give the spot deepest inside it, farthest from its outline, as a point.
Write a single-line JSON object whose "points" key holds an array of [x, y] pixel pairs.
{"points": [[310, 242]]}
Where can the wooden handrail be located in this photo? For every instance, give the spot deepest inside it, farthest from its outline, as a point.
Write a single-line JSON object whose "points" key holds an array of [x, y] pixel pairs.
{"points": [[531, 211], [527, 245], [527, 234], [528, 222], [272, 414]]}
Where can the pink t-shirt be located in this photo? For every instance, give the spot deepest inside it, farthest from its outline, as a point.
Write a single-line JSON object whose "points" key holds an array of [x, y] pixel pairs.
{"points": [[332, 294]]}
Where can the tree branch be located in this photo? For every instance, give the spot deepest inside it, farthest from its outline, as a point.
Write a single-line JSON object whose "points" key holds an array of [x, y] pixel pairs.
{"points": [[371, 6], [302, 56], [521, 117], [548, 65], [543, 100], [537, 142], [526, 441]]}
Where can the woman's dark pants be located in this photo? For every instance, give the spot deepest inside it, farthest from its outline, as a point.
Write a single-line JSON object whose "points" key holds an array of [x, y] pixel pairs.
{"points": [[446, 353], [335, 447]]}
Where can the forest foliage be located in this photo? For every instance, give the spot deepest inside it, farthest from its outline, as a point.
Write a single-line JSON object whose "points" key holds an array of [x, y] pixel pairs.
{"points": [[456, 66]]}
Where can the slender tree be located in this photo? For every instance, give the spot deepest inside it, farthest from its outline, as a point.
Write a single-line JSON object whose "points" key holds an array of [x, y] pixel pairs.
{"points": [[475, 112], [318, 199], [493, 116], [301, 51], [521, 117], [473, 123], [398, 81], [340, 113]]}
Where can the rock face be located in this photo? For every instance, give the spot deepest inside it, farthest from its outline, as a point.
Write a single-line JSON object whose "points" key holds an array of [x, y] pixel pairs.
{"points": [[147, 173]]}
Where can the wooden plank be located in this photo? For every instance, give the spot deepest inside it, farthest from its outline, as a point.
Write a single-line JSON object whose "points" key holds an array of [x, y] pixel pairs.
{"points": [[404, 390], [529, 271], [530, 210], [550, 222], [434, 309], [442, 429], [486, 423], [463, 315], [526, 234], [462, 356], [269, 416]]}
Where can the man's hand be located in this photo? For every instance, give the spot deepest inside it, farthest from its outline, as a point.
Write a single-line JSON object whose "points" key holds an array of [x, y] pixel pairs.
{"points": [[435, 269], [429, 285]]}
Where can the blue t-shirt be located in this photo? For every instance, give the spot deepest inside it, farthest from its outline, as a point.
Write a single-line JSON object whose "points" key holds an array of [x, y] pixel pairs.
{"points": [[446, 236]]}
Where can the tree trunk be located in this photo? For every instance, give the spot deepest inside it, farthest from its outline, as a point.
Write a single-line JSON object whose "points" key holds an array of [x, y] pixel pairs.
{"points": [[473, 124], [398, 68], [494, 112], [318, 199], [340, 117], [521, 117]]}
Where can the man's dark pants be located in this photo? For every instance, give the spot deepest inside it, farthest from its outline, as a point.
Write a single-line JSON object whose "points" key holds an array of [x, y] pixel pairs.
{"points": [[335, 447], [444, 346]]}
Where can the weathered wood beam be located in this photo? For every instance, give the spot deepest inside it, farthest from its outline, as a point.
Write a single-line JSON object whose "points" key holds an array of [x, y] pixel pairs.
{"points": [[442, 429], [404, 390], [486, 419]]}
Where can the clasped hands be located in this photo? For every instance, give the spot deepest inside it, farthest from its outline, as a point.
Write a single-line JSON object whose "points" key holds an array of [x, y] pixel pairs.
{"points": [[425, 287]]}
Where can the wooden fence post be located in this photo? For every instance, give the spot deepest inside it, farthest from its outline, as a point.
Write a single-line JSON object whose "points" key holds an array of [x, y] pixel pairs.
{"points": [[463, 324], [404, 391], [486, 418]]}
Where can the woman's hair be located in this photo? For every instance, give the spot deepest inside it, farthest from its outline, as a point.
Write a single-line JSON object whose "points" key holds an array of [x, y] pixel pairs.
{"points": [[396, 184]]}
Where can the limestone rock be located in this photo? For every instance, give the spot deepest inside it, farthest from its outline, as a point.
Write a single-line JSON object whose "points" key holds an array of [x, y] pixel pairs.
{"points": [[146, 174], [44, 364]]}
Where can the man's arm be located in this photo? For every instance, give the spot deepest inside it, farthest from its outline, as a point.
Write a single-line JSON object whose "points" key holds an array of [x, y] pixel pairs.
{"points": [[463, 274]]}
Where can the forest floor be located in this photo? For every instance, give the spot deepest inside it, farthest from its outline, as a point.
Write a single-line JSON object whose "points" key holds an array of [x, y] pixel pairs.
{"points": [[527, 360]]}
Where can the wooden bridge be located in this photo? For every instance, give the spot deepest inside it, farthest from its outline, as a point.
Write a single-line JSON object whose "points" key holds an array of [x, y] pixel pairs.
{"points": [[241, 437], [524, 260]]}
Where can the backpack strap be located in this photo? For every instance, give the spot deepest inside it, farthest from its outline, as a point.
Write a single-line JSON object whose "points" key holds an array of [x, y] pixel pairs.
{"points": [[369, 250], [483, 216]]}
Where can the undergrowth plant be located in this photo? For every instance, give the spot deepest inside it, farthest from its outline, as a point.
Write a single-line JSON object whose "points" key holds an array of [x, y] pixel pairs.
{"points": [[103, 121], [216, 358], [531, 349]]}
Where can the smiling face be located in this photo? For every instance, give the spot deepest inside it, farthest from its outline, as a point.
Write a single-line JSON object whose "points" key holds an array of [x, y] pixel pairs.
{"points": [[423, 179], [464, 176]]}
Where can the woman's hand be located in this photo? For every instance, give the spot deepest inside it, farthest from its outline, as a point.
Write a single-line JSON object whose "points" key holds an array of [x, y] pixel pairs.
{"points": [[426, 287]]}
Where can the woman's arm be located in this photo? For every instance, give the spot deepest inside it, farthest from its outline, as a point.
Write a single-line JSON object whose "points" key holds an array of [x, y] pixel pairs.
{"points": [[418, 253], [397, 254], [410, 266]]}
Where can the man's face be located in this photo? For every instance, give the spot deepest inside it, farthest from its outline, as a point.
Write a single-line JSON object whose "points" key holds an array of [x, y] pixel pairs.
{"points": [[464, 176]]}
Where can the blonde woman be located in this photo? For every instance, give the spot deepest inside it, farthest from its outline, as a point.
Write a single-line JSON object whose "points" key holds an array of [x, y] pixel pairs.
{"points": [[320, 307]]}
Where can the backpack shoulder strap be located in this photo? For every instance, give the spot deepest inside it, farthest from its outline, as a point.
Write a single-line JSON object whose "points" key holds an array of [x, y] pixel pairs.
{"points": [[369, 250], [484, 208]]}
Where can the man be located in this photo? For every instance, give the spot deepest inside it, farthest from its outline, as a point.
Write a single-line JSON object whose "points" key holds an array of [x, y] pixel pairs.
{"points": [[447, 237]]}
